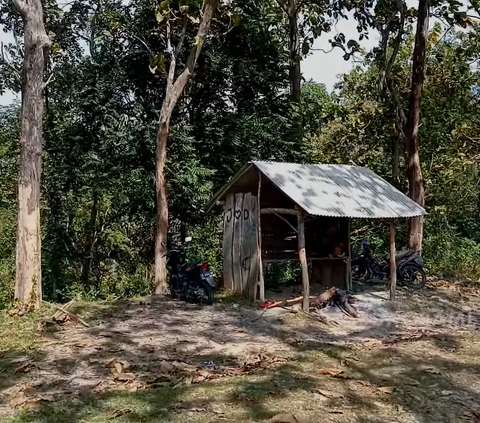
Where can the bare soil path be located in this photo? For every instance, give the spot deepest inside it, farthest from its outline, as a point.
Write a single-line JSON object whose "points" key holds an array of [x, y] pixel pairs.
{"points": [[155, 360]]}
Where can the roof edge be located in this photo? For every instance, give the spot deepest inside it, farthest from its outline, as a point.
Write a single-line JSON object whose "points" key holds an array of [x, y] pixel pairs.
{"points": [[227, 186]]}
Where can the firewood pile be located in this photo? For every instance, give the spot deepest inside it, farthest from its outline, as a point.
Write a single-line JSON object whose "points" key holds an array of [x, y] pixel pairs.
{"points": [[331, 297]]}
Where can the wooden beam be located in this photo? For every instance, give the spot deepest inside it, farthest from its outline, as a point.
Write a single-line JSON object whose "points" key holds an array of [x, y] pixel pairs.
{"points": [[279, 211], [393, 263], [286, 221], [261, 281], [303, 260]]}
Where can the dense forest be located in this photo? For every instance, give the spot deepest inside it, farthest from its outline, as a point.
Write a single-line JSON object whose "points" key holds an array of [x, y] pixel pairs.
{"points": [[110, 72]]}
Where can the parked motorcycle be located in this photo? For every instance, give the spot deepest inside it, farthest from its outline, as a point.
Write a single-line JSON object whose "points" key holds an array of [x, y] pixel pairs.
{"points": [[410, 266], [189, 281]]}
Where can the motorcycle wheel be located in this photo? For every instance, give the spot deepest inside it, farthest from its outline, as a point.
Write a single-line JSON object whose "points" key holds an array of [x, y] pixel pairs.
{"points": [[207, 297], [412, 276], [359, 272]]}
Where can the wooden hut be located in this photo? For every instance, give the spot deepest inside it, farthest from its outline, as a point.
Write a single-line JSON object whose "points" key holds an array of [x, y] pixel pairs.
{"points": [[285, 211]]}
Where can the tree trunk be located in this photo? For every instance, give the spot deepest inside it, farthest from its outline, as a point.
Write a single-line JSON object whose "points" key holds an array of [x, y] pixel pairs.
{"points": [[162, 207], [414, 170], [28, 282], [173, 92], [90, 241], [295, 70], [395, 140], [295, 53]]}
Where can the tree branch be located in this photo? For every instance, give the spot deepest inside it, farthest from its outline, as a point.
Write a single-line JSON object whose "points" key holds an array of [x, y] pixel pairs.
{"points": [[22, 7], [10, 65], [398, 40], [283, 5], [182, 37], [179, 84]]}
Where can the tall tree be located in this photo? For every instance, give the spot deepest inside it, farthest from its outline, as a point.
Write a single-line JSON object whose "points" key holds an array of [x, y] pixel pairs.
{"points": [[414, 170], [292, 10], [28, 283], [173, 92]]}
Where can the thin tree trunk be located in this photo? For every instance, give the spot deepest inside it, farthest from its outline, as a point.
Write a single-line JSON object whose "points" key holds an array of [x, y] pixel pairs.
{"points": [[28, 282], [89, 241], [173, 92], [295, 69], [414, 170], [292, 11], [395, 140], [295, 54], [162, 208]]}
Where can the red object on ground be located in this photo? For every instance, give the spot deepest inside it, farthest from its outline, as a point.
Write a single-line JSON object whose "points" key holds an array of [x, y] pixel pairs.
{"points": [[267, 304]]}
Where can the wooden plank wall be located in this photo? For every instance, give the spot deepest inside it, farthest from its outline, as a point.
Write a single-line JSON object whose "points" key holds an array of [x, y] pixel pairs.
{"points": [[227, 242], [240, 246]]}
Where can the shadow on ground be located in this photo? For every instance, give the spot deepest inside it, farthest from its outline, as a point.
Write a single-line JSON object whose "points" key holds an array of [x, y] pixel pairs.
{"points": [[424, 379]]}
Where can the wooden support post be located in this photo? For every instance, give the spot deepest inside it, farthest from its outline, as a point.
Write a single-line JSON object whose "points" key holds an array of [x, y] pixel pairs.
{"points": [[349, 260], [393, 263], [261, 281], [303, 260]]}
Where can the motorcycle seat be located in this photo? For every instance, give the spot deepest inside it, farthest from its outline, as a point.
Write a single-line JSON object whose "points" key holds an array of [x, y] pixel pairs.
{"points": [[401, 255]]}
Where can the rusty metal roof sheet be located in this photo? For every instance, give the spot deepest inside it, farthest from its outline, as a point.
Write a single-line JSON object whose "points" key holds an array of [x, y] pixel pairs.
{"points": [[339, 190], [333, 190]]}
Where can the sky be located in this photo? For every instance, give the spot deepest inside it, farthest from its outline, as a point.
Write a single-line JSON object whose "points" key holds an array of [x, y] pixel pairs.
{"points": [[318, 66]]}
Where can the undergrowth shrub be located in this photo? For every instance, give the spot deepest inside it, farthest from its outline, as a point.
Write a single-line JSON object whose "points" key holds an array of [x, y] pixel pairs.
{"points": [[449, 254]]}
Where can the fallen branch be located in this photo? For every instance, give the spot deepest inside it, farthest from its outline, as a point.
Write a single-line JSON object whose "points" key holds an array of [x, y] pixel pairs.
{"points": [[287, 303], [73, 316], [57, 314], [317, 317]]}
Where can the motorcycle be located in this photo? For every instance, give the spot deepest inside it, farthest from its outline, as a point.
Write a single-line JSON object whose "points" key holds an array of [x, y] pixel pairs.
{"points": [[189, 281], [410, 267]]}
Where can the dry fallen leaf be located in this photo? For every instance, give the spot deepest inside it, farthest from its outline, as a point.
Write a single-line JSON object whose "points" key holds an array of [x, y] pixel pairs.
{"points": [[386, 389], [329, 394], [472, 415], [181, 365], [18, 399], [286, 418], [372, 343], [330, 372], [149, 348], [166, 366], [197, 405], [121, 412], [124, 377], [120, 366], [24, 367], [215, 408]]}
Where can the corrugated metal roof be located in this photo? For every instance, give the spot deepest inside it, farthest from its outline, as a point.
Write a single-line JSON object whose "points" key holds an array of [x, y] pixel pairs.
{"points": [[339, 190]]}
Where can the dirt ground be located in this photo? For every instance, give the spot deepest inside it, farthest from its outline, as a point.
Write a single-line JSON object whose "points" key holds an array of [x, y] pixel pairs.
{"points": [[155, 360]]}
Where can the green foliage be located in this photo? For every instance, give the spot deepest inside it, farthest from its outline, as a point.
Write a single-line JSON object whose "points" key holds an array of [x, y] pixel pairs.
{"points": [[448, 253]]}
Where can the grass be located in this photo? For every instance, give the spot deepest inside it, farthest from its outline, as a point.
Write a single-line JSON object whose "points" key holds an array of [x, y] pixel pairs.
{"points": [[19, 334]]}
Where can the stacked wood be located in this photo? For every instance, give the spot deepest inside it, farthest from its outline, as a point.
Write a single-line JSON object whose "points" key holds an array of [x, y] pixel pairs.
{"points": [[331, 296]]}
